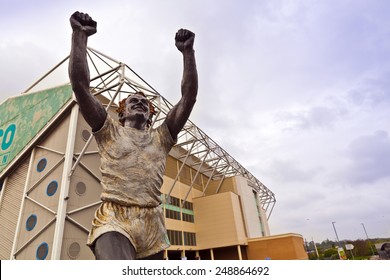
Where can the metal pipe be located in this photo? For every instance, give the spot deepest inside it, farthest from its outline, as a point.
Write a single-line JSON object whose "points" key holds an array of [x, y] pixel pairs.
{"points": [[40, 204], [84, 207], [73, 221], [50, 150], [106, 56], [47, 74], [193, 180], [65, 184], [181, 168]]}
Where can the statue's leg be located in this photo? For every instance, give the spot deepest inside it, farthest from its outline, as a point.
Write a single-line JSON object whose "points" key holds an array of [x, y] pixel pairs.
{"points": [[113, 246]]}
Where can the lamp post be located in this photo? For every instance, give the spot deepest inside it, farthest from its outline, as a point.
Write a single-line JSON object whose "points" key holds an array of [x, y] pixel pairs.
{"points": [[368, 239], [340, 249], [338, 241]]}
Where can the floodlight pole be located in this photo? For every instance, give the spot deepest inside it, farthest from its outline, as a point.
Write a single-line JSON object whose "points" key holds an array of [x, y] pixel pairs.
{"points": [[338, 241], [368, 239]]}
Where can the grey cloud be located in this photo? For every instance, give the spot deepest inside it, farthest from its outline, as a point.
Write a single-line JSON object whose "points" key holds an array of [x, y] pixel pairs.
{"points": [[311, 118], [372, 92], [291, 171], [369, 158]]}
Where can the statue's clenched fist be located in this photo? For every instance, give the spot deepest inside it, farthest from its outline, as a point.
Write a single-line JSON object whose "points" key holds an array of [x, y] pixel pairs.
{"points": [[81, 21], [184, 40]]}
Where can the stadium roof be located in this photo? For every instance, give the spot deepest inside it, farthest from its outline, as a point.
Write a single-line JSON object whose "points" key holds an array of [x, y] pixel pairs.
{"points": [[115, 81]]}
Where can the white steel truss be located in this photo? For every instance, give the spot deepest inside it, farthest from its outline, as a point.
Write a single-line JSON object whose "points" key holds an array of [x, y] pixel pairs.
{"points": [[116, 80]]}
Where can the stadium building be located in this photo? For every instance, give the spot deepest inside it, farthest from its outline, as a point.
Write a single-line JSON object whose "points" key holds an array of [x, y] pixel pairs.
{"points": [[50, 179]]}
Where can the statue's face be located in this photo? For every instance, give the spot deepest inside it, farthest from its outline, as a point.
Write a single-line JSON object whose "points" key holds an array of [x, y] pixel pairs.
{"points": [[137, 108]]}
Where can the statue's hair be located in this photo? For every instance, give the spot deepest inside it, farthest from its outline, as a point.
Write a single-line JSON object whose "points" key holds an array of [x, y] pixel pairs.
{"points": [[122, 108]]}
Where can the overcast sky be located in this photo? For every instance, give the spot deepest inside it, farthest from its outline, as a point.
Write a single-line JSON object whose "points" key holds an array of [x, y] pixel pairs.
{"points": [[296, 91]]}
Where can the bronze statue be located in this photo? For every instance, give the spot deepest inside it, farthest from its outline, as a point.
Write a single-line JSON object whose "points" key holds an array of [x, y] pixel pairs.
{"points": [[130, 223]]}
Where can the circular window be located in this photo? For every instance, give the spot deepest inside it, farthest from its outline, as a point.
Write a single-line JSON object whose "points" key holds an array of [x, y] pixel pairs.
{"points": [[85, 134], [41, 165], [81, 188], [74, 250], [52, 188], [42, 251], [31, 222]]}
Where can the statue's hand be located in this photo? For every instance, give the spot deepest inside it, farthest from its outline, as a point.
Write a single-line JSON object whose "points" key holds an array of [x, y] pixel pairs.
{"points": [[184, 40], [81, 21]]}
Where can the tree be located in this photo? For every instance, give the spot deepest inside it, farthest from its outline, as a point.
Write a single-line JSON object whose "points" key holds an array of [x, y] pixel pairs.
{"points": [[331, 254]]}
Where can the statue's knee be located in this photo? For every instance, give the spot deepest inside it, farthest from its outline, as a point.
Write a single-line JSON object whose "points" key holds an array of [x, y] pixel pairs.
{"points": [[113, 246]]}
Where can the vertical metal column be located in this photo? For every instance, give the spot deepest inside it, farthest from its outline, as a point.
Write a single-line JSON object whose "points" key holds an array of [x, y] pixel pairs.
{"points": [[65, 182], [239, 252]]}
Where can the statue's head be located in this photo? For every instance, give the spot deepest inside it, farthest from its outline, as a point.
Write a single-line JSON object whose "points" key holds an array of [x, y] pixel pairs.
{"points": [[136, 106]]}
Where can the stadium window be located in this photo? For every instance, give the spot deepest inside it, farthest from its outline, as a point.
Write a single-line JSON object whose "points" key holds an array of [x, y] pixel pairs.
{"points": [[31, 222], [74, 250], [188, 218], [172, 214], [188, 205], [175, 201], [189, 239], [42, 251], [175, 237], [52, 188], [80, 188], [41, 165]]}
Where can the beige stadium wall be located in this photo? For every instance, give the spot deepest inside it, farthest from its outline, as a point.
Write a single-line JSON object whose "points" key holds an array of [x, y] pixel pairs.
{"points": [[219, 221], [31, 200], [35, 217]]}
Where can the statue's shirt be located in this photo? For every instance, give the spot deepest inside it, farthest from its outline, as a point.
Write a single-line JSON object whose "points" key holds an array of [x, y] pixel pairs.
{"points": [[132, 163]]}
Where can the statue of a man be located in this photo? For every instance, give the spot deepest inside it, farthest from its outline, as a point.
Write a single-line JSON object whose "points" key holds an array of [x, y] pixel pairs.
{"points": [[129, 224]]}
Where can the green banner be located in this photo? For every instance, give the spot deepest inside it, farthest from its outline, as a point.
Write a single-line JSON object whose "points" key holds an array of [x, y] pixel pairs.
{"points": [[24, 116]]}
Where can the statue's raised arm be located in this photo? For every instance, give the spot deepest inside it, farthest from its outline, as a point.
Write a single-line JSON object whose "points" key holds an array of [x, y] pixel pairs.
{"points": [[180, 113], [92, 110]]}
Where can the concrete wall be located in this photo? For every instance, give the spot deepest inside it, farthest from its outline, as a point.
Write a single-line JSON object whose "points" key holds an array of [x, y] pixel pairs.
{"points": [[219, 221], [278, 247], [254, 216]]}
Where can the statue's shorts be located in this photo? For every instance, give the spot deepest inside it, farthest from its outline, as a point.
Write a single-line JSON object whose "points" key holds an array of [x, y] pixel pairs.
{"points": [[144, 227]]}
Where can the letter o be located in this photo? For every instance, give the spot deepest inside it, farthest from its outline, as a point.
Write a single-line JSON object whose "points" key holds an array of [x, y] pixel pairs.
{"points": [[7, 140]]}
